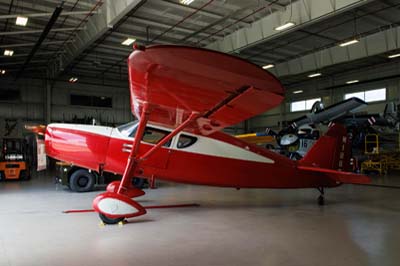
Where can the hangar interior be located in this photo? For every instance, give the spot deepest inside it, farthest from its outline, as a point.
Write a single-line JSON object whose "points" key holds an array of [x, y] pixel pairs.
{"points": [[66, 62]]}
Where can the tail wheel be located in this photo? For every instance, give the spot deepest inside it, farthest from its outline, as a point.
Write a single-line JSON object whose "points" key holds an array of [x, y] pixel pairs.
{"points": [[108, 220], [82, 181], [321, 200]]}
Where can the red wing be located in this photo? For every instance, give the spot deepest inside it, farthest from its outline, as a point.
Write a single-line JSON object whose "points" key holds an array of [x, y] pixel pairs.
{"points": [[177, 81]]}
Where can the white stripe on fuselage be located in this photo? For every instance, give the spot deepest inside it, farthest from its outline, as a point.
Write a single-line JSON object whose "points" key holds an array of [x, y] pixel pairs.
{"points": [[213, 147], [99, 130], [203, 145]]}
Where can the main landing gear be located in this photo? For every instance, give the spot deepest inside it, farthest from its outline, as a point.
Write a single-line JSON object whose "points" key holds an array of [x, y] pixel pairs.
{"points": [[117, 204], [107, 220], [114, 207], [321, 199]]}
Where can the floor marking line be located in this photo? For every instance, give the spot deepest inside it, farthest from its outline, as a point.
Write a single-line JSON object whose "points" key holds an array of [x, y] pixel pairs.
{"points": [[146, 207]]}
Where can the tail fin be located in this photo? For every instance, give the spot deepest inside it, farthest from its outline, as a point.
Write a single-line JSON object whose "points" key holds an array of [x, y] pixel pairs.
{"points": [[330, 156], [331, 151]]}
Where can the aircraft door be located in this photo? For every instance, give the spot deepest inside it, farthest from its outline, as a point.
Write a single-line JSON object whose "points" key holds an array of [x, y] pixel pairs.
{"points": [[121, 144], [151, 137]]}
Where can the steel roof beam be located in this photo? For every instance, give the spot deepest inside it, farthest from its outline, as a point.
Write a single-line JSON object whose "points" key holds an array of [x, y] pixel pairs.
{"points": [[202, 12], [275, 6], [31, 44], [23, 55], [303, 13], [374, 44], [39, 31], [22, 62], [148, 22], [109, 14], [68, 2], [35, 15], [42, 36]]}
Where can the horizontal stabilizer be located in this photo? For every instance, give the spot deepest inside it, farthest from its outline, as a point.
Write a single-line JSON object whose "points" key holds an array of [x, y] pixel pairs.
{"points": [[339, 176]]}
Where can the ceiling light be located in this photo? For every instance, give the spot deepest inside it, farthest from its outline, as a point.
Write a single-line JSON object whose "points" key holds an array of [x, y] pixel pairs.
{"points": [[21, 21], [186, 2], [8, 52], [268, 66], [297, 92], [2, 71], [343, 44], [314, 75], [393, 55], [73, 79], [352, 81], [285, 26], [128, 41]]}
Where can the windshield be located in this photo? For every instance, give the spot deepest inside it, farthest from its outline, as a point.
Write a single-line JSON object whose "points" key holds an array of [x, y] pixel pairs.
{"points": [[128, 129]]}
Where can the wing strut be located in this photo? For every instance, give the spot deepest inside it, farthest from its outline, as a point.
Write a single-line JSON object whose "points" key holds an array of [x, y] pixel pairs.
{"points": [[132, 158], [117, 203]]}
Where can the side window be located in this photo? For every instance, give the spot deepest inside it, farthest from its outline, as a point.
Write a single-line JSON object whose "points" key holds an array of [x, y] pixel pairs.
{"points": [[185, 141], [153, 136], [133, 132]]}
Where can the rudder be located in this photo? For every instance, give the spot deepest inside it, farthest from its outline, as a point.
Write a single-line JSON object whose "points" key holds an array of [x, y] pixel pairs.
{"points": [[331, 151]]}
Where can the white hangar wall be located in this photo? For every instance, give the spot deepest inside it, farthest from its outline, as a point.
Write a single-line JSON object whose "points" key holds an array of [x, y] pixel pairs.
{"points": [[31, 105]]}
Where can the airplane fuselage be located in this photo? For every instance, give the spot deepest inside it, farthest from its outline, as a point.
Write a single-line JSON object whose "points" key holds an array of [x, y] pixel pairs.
{"points": [[217, 160]]}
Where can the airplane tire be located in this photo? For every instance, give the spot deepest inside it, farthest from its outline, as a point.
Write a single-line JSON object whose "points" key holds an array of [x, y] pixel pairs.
{"points": [[82, 181], [138, 182], [108, 220]]}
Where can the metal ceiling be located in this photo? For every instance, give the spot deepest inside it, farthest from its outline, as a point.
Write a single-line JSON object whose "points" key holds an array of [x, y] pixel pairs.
{"points": [[201, 23]]}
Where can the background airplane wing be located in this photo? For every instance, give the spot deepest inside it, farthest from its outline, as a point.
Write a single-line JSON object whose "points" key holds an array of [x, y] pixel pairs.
{"points": [[177, 81]]}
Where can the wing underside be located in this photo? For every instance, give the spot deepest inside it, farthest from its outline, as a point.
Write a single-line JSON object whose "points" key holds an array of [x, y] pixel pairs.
{"points": [[176, 81]]}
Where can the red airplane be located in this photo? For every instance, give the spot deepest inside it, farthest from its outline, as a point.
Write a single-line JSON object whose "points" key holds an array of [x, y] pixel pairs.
{"points": [[183, 97]]}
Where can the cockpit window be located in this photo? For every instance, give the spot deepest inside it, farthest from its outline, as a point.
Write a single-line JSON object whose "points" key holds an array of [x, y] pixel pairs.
{"points": [[185, 141], [129, 129], [153, 136]]}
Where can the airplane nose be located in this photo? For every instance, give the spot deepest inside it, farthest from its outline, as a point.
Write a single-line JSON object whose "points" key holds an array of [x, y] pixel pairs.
{"points": [[81, 145]]}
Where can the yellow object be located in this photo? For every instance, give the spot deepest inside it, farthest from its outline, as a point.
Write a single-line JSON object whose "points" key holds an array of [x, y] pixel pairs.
{"points": [[121, 223], [254, 139], [371, 144], [379, 166], [12, 169]]}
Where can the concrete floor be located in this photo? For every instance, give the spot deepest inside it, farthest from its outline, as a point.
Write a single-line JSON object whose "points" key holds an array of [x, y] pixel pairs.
{"points": [[358, 226]]}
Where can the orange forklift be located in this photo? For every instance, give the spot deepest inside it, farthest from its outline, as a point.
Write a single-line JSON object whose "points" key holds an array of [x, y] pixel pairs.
{"points": [[13, 160]]}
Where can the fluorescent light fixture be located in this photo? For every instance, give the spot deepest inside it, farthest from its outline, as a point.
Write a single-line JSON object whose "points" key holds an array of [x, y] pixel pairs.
{"points": [[21, 21], [8, 52], [352, 81], [285, 26], [343, 44], [394, 56], [128, 41], [297, 92], [2, 71], [73, 79], [268, 66], [314, 75], [186, 2]]}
